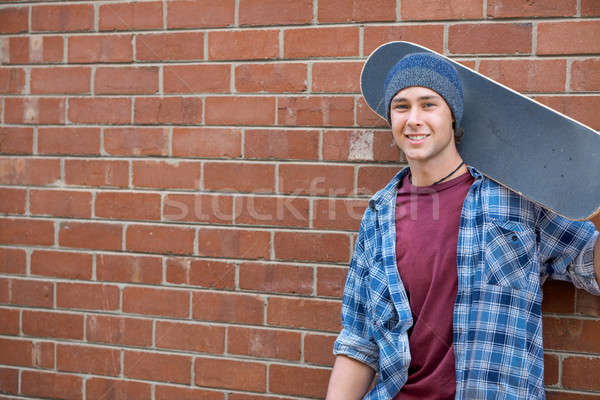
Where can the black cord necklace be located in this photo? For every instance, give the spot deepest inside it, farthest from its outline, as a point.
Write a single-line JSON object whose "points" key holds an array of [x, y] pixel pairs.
{"points": [[446, 177]]}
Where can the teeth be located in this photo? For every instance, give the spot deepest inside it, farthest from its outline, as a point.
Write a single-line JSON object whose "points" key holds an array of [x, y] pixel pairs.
{"points": [[417, 137]]}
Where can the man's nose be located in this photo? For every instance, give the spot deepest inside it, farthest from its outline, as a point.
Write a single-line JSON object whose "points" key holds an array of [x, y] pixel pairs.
{"points": [[414, 117]]}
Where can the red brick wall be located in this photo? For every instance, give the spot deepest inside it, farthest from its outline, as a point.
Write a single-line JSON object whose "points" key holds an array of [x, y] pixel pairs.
{"points": [[181, 182]]}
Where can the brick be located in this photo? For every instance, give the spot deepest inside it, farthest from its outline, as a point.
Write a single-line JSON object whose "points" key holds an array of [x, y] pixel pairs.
{"points": [[365, 117], [279, 278], [372, 179], [200, 13], [34, 49], [435, 10], [29, 171], [12, 81], [61, 203], [275, 12], [100, 48], [499, 38], [69, 140], [100, 110], [168, 110], [356, 11], [359, 145], [211, 274], [568, 37], [183, 393], [527, 75], [551, 369], [580, 373], [12, 261], [300, 381], [311, 246], [61, 264], [136, 141], [184, 46], [585, 75], [16, 140], [580, 108], [207, 142], [160, 239], [571, 334], [559, 297], [330, 281], [318, 349], [158, 367], [321, 42], [257, 44], [61, 80], [316, 111], [126, 80], [131, 16], [161, 174], [10, 324], [52, 324], [62, 18], [589, 8], [570, 396], [160, 302], [271, 78], [191, 337], [430, 36], [118, 330], [519, 9], [242, 375], [272, 211], [338, 214], [227, 307], [242, 396], [104, 173], [316, 180], [34, 110], [239, 177], [198, 208], [26, 231], [87, 296], [336, 77], [304, 313], [9, 380], [203, 78], [248, 111], [126, 268], [30, 293], [281, 144], [88, 359], [130, 206], [98, 388], [14, 19], [587, 304], [259, 343], [233, 243], [26, 353], [46, 384], [90, 235]]}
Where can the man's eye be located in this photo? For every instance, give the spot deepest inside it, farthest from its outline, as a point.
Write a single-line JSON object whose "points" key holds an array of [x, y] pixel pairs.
{"points": [[429, 105]]}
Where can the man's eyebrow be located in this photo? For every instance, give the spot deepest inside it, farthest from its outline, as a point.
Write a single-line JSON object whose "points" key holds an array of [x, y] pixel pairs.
{"points": [[401, 99]]}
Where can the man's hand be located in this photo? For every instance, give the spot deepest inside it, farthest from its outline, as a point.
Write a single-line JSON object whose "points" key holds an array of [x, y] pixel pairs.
{"points": [[350, 379], [596, 220]]}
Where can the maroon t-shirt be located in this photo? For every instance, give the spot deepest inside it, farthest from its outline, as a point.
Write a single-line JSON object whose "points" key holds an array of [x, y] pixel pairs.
{"points": [[427, 222]]}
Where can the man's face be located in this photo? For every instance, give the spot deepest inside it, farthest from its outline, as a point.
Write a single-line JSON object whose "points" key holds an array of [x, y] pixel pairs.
{"points": [[422, 125]]}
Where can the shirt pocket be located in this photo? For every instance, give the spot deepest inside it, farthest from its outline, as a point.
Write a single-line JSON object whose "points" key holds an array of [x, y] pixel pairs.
{"points": [[510, 254]]}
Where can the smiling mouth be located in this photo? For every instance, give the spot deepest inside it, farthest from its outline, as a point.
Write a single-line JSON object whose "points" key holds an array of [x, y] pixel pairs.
{"points": [[413, 136]]}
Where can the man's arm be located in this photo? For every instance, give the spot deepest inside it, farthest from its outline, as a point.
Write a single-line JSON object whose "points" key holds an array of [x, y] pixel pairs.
{"points": [[596, 221], [350, 379]]}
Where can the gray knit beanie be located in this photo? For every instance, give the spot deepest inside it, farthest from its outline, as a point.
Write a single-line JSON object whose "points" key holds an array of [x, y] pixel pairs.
{"points": [[430, 71]]}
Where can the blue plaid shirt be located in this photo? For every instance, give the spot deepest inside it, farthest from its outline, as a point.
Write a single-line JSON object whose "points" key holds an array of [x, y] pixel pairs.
{"points": [[507, 247]]}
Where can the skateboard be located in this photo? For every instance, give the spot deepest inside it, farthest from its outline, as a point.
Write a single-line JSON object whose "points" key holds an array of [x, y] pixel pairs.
{"points": [[543, 155]]}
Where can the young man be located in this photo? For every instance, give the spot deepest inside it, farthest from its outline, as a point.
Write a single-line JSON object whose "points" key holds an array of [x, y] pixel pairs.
{"points": [[443, 295]]}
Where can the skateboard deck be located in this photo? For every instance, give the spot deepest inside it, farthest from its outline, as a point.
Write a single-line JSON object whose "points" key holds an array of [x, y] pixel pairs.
{"points": [[545, 156]]}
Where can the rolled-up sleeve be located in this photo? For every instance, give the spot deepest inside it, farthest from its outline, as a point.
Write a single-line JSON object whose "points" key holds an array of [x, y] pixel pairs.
{"points": [[567, 250], [356, 340]]}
